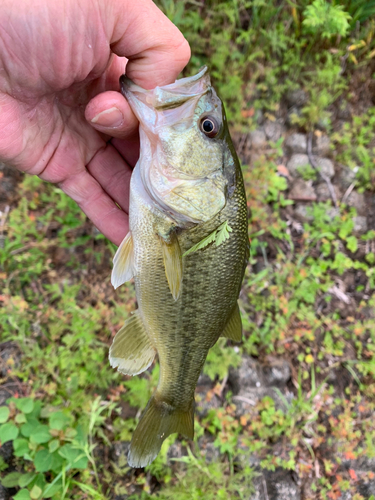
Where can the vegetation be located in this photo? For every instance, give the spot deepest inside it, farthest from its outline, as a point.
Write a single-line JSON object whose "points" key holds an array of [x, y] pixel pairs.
{"points": [[59, 312]]}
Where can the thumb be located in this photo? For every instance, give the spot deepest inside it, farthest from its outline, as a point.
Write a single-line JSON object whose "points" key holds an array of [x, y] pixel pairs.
{"points": [[155, 48], [156, 52]]}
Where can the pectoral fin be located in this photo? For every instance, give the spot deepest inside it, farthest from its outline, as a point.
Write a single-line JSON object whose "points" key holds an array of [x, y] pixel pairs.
{"points": [[172, 263], [131, 351], [233, 329], [123, 262]]}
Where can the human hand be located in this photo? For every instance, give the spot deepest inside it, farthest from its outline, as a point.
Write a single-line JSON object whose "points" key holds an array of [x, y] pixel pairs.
{"points": [[60, 62]]}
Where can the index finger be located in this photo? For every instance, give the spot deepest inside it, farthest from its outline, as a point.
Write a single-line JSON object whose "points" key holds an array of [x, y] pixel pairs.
{"points": [[156, 49]]}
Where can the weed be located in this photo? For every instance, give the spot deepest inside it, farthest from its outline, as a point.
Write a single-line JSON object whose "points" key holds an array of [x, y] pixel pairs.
{"points": [[325, 19], [209, 481], [51, 446], [354, 148]]}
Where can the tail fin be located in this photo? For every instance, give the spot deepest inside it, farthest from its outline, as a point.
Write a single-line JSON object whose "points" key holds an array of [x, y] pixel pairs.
{"points": [[158, 421]]}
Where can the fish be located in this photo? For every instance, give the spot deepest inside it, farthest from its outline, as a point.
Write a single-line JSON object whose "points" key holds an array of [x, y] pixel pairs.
{"points": [[187, 250]]}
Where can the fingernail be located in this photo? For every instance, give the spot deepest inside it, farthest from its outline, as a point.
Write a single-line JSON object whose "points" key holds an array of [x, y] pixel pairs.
{"points": [[110, 118]]}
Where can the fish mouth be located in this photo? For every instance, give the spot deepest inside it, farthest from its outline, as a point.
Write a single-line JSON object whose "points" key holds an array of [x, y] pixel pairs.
{"points": [[165, 97], [164, 111]]}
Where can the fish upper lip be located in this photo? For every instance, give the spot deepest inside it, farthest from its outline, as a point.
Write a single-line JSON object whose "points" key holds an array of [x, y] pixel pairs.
{"points": [[168, 96], [127, 84]]}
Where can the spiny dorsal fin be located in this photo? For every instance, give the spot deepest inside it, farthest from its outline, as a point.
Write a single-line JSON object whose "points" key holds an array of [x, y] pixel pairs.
{"points": [[233, 329], [123, 262], [173, 264], [131, 351]]}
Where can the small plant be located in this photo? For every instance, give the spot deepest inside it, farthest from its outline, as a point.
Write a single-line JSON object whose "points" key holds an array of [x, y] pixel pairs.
{"points": [[326, 19], [220, 358], [209, 481], [354, 148], [50, 446], [307, 172]]}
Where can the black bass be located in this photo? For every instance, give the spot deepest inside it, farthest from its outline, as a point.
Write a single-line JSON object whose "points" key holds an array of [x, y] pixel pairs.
{"points": [[187, 250]]}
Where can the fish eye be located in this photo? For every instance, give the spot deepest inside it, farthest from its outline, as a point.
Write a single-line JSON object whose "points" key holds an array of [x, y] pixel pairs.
{"points": [[209, 126]]}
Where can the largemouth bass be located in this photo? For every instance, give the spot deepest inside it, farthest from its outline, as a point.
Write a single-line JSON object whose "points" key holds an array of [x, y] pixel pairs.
{"points": [[187, 250]]}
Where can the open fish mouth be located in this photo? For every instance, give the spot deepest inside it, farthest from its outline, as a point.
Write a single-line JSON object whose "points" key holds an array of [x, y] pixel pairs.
{"points": [[167, 96], [178, 163]]}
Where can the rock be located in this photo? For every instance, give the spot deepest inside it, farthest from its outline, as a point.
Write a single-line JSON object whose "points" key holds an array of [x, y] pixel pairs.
{"points": [[259, 484], [8, 184], [132, 491], [100, 452], [362, 466], [321, 145], [296, 143], [209, 450], [9, 352], [333, 212], [281, 486], [251, 382], [345, 177], [360, 224], [325, 122], [247, 398], [296, 163], [277, 373], [204, 381], [325, 166], [303, 212], [345, 495], [4, 494], [119, 451], [302, 191], [274, 130], [206, 402], [258, 139], [6, 451], [357, 200], [175, 451], [344, 111], [363, 463], [293, 114], [367, 488], [323, 192], [249, 374], [297, 97], [11, 388]]}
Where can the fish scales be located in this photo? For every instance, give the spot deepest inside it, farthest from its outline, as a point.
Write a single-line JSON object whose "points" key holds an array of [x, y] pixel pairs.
{"points": [[182, 325], [198, 318]]}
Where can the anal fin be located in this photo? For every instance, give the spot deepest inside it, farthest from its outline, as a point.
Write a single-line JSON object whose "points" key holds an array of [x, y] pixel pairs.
{"points": [[123, 262], [173, 264], [131, 351], [233, 329]]}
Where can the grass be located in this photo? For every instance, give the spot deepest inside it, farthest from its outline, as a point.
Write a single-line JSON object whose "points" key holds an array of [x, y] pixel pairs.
{"points": [[59, 311]]}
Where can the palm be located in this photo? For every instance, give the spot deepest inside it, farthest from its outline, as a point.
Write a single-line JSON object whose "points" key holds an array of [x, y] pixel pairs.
{"points": [[69, 69], [50, 151]]}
